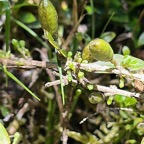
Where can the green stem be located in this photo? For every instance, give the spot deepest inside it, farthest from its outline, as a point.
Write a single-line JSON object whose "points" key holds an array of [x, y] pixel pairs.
{"points": [[93, 19], [107, 23], [51, 121], [7, 25], [57, 48], [61, 80], [19, 82]]}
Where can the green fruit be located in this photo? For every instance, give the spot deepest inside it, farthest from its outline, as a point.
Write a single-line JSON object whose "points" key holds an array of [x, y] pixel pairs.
{"points": [[48, 17], [86, 55], [98, 49]]}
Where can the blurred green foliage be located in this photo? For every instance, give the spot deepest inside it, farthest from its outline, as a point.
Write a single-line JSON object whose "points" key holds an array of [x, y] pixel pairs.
{"points": [[116, 119]]}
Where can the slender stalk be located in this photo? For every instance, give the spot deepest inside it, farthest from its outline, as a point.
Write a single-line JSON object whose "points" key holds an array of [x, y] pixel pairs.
{"points": [[61, 80], [107, 23], [7, 25], [51, 121], [93, 19], [19, 82]]}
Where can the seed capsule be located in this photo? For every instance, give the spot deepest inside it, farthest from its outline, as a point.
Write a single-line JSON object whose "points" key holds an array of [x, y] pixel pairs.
{"points": [[86, 55], [48, 16], [98, 49]]}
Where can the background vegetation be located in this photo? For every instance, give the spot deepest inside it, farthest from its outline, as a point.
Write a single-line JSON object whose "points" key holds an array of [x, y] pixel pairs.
{"points": [[116, 119]]}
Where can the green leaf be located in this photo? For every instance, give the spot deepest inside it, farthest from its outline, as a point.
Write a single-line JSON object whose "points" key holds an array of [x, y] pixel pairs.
{"points": [[124, 115], [137, 120], [119, 98], [121, 83], [132, 63], [80, 74], [4, 110], [19, 82], [118, 58], [89, 9], [4, 137], [15, 42], [17, 138], [54, 43], [141, 40], [90, 86], [142, 142], [17, 6], [110, 100], [131, 141], [125, 50], [27, 17], [108, 36], [130, 101]]}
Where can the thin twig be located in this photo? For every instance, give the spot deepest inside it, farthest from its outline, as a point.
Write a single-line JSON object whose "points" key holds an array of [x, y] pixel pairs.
{"points": [[94, 67], [90, 67], [110, 90], [27, 64], [71, 34]]}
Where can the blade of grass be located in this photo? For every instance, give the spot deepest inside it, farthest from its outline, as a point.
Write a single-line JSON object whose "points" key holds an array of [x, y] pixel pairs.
{"points": [[7, 24], [19, 82], [61, 80], [107, 23], [51, 121], [93, 19], [30, 31]]}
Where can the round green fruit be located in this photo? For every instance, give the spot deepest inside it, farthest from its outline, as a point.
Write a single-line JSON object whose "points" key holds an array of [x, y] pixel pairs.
{"points": [[98, 49], [86, 55], [48, 17]]}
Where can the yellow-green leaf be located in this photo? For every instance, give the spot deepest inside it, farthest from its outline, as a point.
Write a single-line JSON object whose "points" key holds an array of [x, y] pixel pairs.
{"points": [[4, 137]]}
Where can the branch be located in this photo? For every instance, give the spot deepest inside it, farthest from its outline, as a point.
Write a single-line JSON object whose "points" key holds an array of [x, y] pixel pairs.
{"points": [[90, 67], [26, 64], [108, 90], [97, 68]]}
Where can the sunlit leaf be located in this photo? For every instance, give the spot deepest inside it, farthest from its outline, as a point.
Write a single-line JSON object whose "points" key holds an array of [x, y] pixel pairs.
{"points": [[89, 9], [126, 50], [141, 40], [119, 98], [132, 63], [137, 121], [130, 101], [108, 36], [19, 82], [121, 83], [17, 138], [4, 137], [118, 58], [90, 86], [110, 100], [27, 17]]}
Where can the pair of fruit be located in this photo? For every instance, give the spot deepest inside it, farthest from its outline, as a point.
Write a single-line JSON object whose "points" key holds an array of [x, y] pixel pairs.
{"points": [[97, 49]]}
